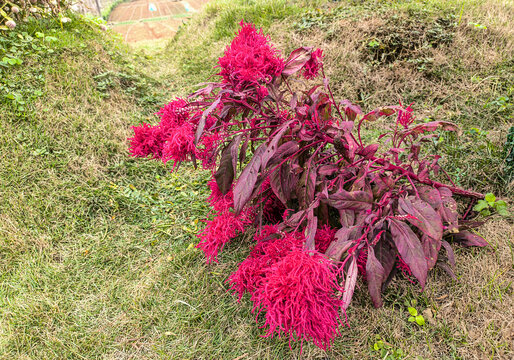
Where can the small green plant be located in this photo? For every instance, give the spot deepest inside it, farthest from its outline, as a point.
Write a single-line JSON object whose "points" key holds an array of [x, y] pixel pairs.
{"points": [[413, 312], [508, 152], [478, 26], [489, 204], [386, 350]]}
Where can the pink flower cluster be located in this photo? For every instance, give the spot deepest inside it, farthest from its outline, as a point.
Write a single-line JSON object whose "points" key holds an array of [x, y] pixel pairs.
{"points": [[405, 117], [225, 224], [295, 289], [172, 139], [312, 67], [250, 59]]}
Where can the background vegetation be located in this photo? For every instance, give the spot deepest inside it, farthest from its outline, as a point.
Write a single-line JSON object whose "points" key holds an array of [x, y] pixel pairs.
{"points": [[96, 248]]}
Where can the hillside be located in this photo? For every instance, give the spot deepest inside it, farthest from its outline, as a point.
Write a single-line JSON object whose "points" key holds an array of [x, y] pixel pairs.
{"points": [[97, 255]]}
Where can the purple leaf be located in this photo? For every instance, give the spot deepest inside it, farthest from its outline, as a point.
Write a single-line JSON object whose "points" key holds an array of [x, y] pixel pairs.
{"points": [[285, 150], [448, 209], [422, 215], [431, 249], [375, 276], [386, 254], [444, 266], [467, 238], [343, 240], [306, 186], [369, 151], [378, 113], [310, 230], [410, 249], [246, 182], [201, 122], [432, 126], [349, 283], [449, 253], [351, 110], [347, 218], [295, 219], [273, 144], [328, 170], [297, 60], [431, 196], [354, 200], [225, 174]]}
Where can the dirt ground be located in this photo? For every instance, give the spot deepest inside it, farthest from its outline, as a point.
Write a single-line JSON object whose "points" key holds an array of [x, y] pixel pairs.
{"points": [[151, 19]]}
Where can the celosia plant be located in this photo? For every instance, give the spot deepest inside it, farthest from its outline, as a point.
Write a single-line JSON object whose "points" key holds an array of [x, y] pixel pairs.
{"points": [[326, 207]]}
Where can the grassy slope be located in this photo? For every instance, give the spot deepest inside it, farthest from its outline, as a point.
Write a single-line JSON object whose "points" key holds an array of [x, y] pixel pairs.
{"points": [[95, 248]]}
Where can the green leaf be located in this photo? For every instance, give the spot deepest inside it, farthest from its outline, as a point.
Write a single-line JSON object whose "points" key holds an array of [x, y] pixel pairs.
{"points": [[486, 212], [412, 319], [412, 311], [420, 320], [490, 198], [39, 34], [503, 212], [481, 205], [500, 204]]}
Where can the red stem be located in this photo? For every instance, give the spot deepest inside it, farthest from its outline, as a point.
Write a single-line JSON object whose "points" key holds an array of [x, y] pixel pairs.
{"points": [[435, 184]]}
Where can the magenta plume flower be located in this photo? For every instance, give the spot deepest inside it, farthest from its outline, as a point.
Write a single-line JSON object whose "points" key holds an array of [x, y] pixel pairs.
{"points": [[174, 114], [295, 289], [217, 200], [179, 145], [219, 231], [405, 117], [250, 58], [324, 237], [312, 67], [299, 298], [271, 248], [147, 140]]}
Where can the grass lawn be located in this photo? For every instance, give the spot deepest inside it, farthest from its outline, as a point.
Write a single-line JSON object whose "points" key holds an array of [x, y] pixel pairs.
{"points": [[97, 257]]}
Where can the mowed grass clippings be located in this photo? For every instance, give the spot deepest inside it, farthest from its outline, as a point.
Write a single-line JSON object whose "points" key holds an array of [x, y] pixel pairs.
{"points": [[97, 257]]}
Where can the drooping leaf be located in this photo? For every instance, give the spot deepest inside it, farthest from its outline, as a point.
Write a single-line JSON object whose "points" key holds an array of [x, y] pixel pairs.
{"points": [[297, 60], [245, 183], [283, 152], [310, 230], [422, 215], [431, 196], [354, 200], [468, 238], [226, 170], [375, 276], [431, 249], [448, 209], [273, 144], [386, 254], [444, 266], [205, 114], [410, 249], [449, 252], [432, 126], [349, 283], [343, 240], [347, 218], [369, 151], [306, 186], [351, 110]]}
